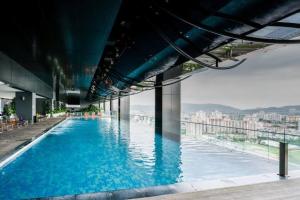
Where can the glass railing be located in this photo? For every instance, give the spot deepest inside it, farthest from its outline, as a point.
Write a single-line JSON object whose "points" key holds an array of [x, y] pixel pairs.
{"points": [[264, 143]]}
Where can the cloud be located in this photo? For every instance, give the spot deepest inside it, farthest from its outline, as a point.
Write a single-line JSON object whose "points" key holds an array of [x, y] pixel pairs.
{"points": [[269, 77]]}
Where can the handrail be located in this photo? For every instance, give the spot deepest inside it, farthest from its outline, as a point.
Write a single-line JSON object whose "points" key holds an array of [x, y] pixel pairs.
{"points": [[246, 129], [230, 127]]}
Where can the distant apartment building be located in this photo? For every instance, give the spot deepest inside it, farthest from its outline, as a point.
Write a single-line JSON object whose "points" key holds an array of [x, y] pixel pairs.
{"points": [[218, 122], [267, 116], [293, 118]]}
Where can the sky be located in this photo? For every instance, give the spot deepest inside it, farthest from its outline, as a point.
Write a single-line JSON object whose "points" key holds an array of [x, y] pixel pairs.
{"points": [[269, 77]]}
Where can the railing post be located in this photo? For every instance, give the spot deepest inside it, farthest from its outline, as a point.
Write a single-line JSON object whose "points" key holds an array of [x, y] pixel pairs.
{"points": [[283, 159]]}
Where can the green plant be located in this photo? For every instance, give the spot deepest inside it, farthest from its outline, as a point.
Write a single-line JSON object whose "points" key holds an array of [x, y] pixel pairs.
{"points": [[190, 66], [6, 110], [9, 108], [57, 108], [13, 106], [47, 107], [91, 108], [63, 107]]}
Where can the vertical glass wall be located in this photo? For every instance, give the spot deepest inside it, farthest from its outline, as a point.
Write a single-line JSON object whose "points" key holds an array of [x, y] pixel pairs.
{"points": [[250, 109]]}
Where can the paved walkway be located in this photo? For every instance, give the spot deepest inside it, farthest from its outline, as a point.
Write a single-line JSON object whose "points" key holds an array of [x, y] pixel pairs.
{"points": [[11, 141], [285, 190]]}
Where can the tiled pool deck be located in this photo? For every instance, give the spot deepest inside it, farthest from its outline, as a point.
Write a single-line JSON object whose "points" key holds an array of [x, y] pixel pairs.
{"points": [[13, 140], [286, 189], [264, 186]]}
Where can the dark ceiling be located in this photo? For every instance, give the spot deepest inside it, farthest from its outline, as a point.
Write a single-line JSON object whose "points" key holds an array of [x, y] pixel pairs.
{"points": [[103, 47], [62, 37]]}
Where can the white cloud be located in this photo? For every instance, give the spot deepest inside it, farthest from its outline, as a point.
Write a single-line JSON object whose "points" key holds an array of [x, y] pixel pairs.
{"points": [[269, 77]]}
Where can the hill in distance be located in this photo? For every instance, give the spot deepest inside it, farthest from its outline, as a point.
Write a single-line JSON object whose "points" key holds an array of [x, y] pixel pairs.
{"points": [[190, 108]]}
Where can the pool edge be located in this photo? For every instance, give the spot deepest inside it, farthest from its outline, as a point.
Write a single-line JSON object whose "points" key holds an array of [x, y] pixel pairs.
{"points": [[183, 187], [27, 145]]}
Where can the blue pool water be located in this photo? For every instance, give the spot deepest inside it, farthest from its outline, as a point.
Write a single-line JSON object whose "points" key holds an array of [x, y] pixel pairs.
{"points": [[83, 156]]}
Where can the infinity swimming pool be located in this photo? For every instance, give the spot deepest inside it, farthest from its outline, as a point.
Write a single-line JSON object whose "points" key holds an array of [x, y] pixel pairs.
{"points": [[83, 156]]}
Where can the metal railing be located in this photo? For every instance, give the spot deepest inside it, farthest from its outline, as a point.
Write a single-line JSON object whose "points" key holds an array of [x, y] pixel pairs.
{"points": [[198, 128], [263, 143], [279, 146]]}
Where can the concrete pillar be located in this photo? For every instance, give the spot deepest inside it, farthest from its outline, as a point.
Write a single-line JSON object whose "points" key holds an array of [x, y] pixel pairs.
{"points": [[158, 105], [1, 107], [26, 105], [124, 108], [119, 109], [104, 109], [168, 110], [111, 107], [171, 111], [52, 106]]}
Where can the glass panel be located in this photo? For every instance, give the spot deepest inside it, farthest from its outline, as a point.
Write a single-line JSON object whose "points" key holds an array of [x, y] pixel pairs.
{"points": [[276, 32]]}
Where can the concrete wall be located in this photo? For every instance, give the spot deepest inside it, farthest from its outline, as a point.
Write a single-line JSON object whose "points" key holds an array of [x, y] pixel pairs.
{"points": [[26, 105], [18, 77]]}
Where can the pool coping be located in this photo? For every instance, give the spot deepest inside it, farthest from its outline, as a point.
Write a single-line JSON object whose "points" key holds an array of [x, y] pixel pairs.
{"points": [[19, 150], [183, 187]]}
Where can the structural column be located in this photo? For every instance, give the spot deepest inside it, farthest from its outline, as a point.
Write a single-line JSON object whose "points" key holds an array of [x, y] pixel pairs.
{"points": [[111, 107], [119, 109], [1, 108], [158, 104], [124, 108], [168, 109], [26, 105], [171, 111]]}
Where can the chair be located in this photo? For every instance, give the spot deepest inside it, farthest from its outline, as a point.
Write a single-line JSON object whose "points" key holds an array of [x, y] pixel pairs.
{"points": [[7, 125], [22, 121], [13, 123], [1, 127]]}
